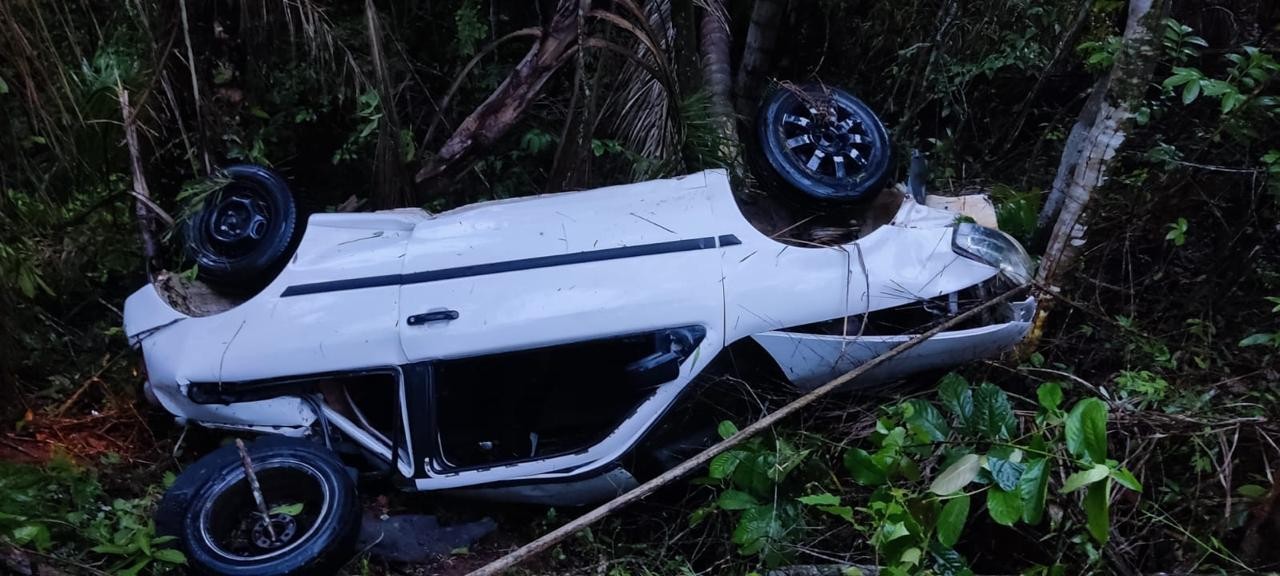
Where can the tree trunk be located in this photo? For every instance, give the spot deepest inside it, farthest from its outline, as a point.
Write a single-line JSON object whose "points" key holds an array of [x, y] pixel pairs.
{"points": [[389, 175], [493, 118], [717, 72], [1099, 133], [766, 16]]}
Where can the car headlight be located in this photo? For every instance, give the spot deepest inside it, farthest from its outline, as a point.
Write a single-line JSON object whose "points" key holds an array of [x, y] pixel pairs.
{"points": [[993, 248]]}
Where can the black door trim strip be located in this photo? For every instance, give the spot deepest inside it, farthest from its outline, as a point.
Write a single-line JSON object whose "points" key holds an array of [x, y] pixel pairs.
{"points": [[513, 265]]}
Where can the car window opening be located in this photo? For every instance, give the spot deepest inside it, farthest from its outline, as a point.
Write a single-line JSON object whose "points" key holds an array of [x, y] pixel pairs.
{"points": [[368, 400], [536, 403]]}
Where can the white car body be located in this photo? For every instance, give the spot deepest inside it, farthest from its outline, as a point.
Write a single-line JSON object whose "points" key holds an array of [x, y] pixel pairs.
{"points": [[545, 271]]}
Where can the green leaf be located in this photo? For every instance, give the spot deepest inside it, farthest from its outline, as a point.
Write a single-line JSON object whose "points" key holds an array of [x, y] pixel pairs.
{"points": [[926, 421], [1005, 507], [726, 429], [1034, 489], [1049, 395], [1190, 92], [37, 534], [891, 531], [1097, 511], [1006, 473], [170, 556], [1257, 340], [957, 476], [290, 509], [865, 470], [1086, 430], [4, 88], [1252, 491], [723, 465], [736, 500], [992, 413], [135, 569], [951, 521], [1085, 477], [956, 397], [843, 512], [1125, 478], [823, 499]]}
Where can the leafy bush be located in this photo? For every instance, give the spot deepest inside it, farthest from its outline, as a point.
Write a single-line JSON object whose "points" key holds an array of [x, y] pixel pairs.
{"points": [[930, 467], [63, 506]]}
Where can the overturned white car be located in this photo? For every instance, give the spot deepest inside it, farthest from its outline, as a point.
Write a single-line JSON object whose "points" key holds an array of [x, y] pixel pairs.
{"points": [[519, 349]]}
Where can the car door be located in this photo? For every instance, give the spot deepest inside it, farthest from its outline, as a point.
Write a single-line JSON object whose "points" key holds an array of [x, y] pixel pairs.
{"points": [[510, 284], [512, 275]]}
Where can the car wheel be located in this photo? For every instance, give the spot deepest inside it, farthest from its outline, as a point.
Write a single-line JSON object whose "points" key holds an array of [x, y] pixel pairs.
{"points": [[824, 142], [313, 520], [242, 233]]}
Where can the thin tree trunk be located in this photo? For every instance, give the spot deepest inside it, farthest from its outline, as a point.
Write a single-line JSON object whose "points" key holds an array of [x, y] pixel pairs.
{"points": [[766, 16], [493, 118], [717, 72], [389, 176], [144, 209], [1100, 134]]}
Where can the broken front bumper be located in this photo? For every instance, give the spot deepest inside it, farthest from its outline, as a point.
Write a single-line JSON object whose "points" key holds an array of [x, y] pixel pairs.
{"points": [[810, 360]]}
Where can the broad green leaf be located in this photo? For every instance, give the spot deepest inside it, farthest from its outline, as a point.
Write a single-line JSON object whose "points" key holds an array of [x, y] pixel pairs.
{"points": [[37, 534], [723, 465], [1086, 430], [992, 413], [4, 88], [1125, 478], [864, 468], [910, 556], [1085, 477], [170, 556], [1049, 395], [843, 512], [823, 499], [1097, 510], [1256, 339], [951, 521], [1034, 489], [926, 422], [957, 476], [956, 397], [1217, 87], [755, 525], [1004, 507], [135, 569], [1005, 472], [288, 509], [726, 429], [1190, 92], [891, 531], [736, 500], [1252, 491]]}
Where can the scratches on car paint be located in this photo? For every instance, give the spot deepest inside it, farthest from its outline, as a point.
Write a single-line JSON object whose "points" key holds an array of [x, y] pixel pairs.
{"points": [[652, 222], [377, 234]]}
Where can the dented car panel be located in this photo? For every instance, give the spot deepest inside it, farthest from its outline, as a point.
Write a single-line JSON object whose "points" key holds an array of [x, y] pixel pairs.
{"points": [[807, 359], [651, 280]]}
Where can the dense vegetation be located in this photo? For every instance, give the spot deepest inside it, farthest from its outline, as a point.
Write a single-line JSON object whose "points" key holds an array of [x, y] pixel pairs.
{"points": [[1139, 435]]}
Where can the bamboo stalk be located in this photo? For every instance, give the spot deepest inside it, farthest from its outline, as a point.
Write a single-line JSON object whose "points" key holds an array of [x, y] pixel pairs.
{"points": [[555, 536]]}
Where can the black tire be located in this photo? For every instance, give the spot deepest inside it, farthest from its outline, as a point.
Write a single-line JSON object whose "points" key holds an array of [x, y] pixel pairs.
{"points": [[242, 235], [824, 142], [210, 505]]}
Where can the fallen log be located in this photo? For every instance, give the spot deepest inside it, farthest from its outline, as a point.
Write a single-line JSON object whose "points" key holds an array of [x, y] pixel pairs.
{"points": [[702, 458]]}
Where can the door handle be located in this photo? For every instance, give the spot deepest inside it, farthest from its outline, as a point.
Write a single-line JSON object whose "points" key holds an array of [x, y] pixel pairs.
{"points": [[437, 316]]}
